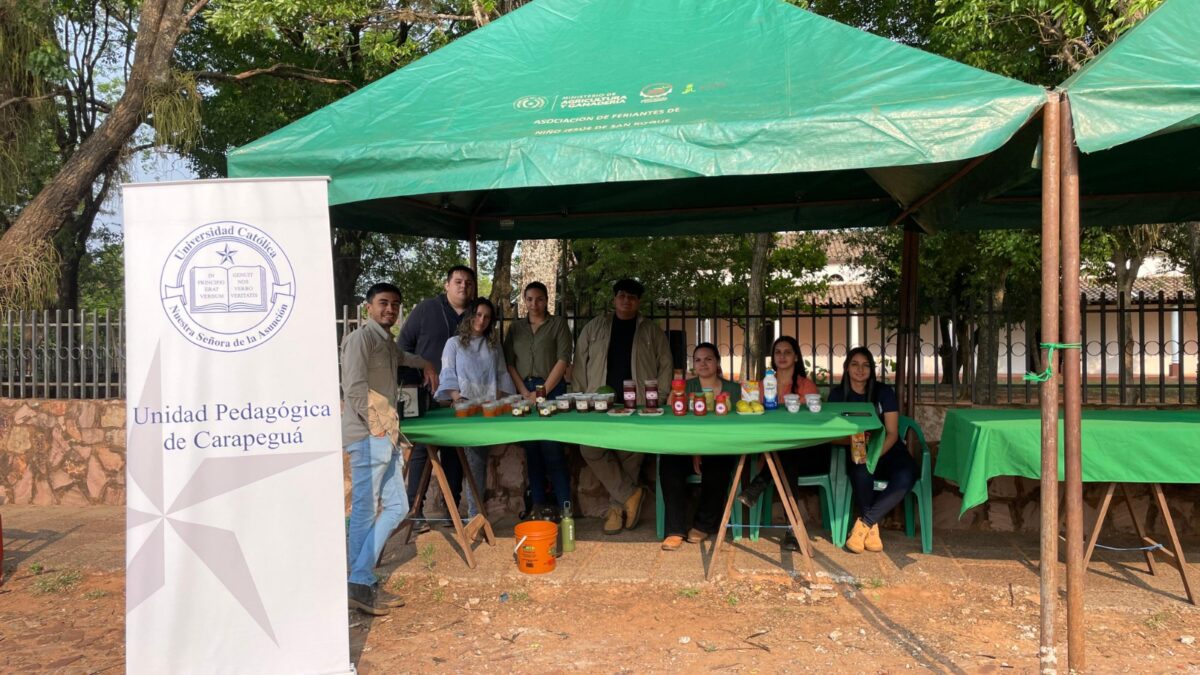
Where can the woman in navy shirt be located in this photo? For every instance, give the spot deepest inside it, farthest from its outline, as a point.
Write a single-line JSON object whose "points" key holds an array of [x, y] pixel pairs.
{"points": [[896, 465]]}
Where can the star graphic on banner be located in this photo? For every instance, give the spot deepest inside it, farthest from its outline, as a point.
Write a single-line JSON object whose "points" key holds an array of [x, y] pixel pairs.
{"points": [[227, 255], [217, 548]]}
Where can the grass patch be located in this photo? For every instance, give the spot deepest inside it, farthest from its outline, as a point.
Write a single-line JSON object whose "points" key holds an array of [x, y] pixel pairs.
{"points": [[96, 594], [875, 582], [519, 596], [732, 600], [689, 592], [426, 554], [57, 583], [1157, 621], [438, 594], [36, 569]]}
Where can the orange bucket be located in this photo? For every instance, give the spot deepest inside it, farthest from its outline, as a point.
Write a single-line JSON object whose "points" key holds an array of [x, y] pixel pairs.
{"points": [[537, 545]]}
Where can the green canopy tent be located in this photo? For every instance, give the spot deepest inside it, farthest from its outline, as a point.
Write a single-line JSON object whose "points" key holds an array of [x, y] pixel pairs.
{"points": [[599, 118], [1136, 119]]}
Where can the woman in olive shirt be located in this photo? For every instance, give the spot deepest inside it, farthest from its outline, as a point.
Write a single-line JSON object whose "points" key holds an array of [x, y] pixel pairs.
{"points": [[537, 350], [714, 470]]}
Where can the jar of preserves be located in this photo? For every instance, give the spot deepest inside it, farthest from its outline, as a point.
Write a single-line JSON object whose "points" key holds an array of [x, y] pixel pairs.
{"points": [[651, 394], [629, 393], [699, 405]]}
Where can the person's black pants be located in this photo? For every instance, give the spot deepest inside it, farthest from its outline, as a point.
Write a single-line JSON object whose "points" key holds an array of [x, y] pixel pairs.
{"points": [[898, 468], [673, 473], [416, 466]]}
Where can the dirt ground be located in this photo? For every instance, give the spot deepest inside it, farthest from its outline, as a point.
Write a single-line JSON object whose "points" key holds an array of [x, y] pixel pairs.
{"points": [[621, 605], [752, 625]]}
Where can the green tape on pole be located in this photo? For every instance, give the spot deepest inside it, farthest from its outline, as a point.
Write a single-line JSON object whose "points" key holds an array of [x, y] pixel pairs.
{"points": [[1045, 375]]}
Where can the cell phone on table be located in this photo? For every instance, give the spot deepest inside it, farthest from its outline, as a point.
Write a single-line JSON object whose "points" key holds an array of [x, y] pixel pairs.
{"points": [[856, 413]]}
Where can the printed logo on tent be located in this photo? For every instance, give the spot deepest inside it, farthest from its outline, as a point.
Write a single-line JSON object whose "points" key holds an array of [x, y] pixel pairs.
{"points": [[655, 93], [530, 103], [228, 287]]}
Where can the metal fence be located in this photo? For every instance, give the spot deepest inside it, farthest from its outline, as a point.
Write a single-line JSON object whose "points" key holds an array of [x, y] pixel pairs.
{"points": [[59, 354]]}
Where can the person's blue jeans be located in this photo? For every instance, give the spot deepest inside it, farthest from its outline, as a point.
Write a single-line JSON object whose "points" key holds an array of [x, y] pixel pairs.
{"points": [[378, 503], [546, 458], [477, 459]]}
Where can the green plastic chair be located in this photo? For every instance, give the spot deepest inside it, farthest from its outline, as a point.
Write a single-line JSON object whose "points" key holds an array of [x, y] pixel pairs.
{"points": [[660, 518], [921, 493], [832, 485]]}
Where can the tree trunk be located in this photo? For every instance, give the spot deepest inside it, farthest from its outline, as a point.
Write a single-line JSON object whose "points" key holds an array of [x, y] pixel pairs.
{"points": [[755, 349], [348, 267], [988, 364], [540, 261], [501, 295], [963, 334], [947, 351], [25, 246]]}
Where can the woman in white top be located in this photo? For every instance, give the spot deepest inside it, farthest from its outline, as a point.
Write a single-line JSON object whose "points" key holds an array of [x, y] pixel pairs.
{"points": [[473, 369]]}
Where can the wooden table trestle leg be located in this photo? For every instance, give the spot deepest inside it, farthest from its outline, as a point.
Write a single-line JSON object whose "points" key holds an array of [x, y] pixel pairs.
{"points": [[407, 524], [792, 510], [451, 506], [480, 521], [1174, 553], [733, 489]]}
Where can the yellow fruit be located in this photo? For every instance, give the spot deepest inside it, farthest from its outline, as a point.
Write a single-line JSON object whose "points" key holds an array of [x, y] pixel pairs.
{"points": [[743, 406], [755, 406]]}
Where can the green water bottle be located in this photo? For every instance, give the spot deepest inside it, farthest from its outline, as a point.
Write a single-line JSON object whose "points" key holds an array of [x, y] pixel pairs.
{"points": [[567, 528]]}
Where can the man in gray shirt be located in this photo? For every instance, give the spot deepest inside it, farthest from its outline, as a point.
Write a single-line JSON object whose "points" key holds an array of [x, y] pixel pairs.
{"points": [[370, 435]]}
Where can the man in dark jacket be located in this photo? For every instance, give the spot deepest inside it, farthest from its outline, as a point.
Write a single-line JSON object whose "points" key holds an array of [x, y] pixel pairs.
{"points": [[424, 333]]}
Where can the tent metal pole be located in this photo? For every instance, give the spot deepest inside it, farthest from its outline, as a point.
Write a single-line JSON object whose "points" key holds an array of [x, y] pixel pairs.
{"points": [[473, 243], [1048, 390], [905, 338], [1076, 660]]}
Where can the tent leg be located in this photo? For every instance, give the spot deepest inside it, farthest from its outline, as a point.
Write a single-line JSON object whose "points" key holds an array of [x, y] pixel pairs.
{"points": [[473, 244], [1048, 390], [1076, 660], [906, 338]]}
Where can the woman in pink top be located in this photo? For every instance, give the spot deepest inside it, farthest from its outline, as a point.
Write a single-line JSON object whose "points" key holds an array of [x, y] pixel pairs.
{"points": [[788, 365]]}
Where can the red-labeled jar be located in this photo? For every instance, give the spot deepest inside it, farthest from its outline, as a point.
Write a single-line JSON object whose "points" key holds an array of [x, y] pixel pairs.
{"points": [[700, 405], [629, 394], [722, 404], [652, 394], [679, 404]]}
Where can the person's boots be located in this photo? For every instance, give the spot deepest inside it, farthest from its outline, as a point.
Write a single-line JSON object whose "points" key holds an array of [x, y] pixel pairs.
{"points": [[614, 520], [385, 599], [873, 542], [633, 508], [754, 490], [856, 542], [362, 598]]}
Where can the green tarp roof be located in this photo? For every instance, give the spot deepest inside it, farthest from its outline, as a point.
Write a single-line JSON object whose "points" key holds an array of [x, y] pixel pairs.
{"points": [[1136, 114], [577, 118], [1145, 83]]}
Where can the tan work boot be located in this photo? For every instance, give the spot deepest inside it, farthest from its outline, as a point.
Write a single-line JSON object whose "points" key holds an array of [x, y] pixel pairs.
{"points": [[696, 536], [613, 521], [633, 508], [856, 542], [672, 543], [873, 543]]}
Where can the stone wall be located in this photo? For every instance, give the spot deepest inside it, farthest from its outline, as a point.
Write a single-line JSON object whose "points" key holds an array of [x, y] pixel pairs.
{"points": [[73, 453], [62, 452]]}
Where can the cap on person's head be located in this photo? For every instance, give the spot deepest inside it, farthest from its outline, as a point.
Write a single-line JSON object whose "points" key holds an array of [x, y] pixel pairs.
{"points": [[630, 286]]}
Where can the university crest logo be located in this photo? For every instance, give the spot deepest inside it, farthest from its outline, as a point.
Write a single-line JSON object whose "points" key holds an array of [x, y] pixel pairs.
{"points": [[228, 287]]}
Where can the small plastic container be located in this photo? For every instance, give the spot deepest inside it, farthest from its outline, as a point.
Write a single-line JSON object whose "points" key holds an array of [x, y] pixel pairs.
{"points": [[791, 402], [629, 393], [602, 402], [563, 403], [583, 402], [491, 409], [464, 409], [519, 410], [813, 401], [546, 408]]}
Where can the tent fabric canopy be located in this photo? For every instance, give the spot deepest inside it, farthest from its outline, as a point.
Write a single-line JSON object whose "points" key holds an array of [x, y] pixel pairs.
{"points": [[594, 118], [1145, 83], [1136, 115]]}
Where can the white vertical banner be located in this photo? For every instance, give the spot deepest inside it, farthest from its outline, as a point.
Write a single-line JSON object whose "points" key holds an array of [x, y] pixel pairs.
{"points": [[235, 539]]}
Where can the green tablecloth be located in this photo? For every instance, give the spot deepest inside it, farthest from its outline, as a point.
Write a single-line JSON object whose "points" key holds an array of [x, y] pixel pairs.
{"points": [[1132, 445], [668, 434]]}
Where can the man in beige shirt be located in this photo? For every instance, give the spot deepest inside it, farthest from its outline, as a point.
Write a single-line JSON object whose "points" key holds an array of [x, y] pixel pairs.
{"points": [[370, 431]]}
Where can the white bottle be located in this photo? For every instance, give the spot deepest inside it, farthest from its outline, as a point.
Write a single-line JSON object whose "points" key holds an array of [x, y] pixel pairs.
{"points": [[770, 386]]}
